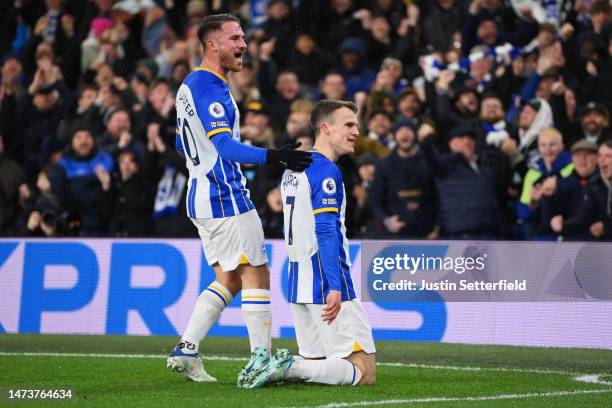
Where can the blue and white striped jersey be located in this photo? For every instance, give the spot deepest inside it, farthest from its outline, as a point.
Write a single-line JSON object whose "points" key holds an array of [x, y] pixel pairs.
{"points": [[204, 108], [318, 189]]}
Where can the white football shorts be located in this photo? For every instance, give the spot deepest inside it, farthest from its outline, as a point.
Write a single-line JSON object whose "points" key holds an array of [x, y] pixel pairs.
{"points": [[232, 241], [350, 332]]}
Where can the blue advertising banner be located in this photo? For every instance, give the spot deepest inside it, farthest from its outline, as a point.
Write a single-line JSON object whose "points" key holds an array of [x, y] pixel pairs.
{"points": [[148, 287]]}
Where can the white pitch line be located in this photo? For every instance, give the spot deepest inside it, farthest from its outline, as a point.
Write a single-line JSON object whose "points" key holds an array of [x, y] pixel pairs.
{"points": [[466, 368], [589, 378], [108, 355], [225, 358], [458, 399], [593, 379]]}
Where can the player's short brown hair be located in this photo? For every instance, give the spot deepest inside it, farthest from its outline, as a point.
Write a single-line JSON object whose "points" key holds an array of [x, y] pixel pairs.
{"points": [[213, 23], [323, 109]]}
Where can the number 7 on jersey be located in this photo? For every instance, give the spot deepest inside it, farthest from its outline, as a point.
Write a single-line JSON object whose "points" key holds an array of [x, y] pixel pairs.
{"points": [[290, 201]]}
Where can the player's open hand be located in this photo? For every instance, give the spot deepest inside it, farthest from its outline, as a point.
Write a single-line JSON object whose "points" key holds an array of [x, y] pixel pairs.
{"points": [[288, 156], [332, 307]]}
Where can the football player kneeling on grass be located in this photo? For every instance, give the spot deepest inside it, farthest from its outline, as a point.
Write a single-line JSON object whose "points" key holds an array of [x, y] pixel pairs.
{"points": [[332, 330]]}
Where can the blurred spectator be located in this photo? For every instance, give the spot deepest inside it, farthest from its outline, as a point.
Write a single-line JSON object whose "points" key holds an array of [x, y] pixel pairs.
{"points": [[280, 26], [392, 10], [287, 91], [379, 101], [362, 217], [600, 19], [167, 169], [492, 118], [598, 82], [495, 148], [308, 61], [380, 41], [553, 161], [11, 191], [196, 10], [365, 144], [41, 213], [272, 214], [595, 121], [333, 87], [410, 107], [564, 109], [466, 188], [86, 113], [148, 68], [534, 117], [15, 22], [379, 128], [442, 25], [389, 78], [490, 22], [81, 181], [170, 55], [298, 121], [595, 211], [158, 108], [104, 75], [53, 38], [39, 112], [118, 136], [134, 96], [109, 99], [566, 194], [459, 109], [357, 77], [11, 77], [402, 195], [10, 93], [333, 21], [481, 75], [257, 126], [133, 196]]}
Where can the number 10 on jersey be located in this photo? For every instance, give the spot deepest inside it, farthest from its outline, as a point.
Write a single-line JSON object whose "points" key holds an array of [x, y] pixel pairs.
{"points": [[189, 143]]}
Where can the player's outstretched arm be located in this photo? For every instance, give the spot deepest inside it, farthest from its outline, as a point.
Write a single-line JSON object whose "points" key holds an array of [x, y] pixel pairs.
{"points": [[287, 156], [231, 149]]}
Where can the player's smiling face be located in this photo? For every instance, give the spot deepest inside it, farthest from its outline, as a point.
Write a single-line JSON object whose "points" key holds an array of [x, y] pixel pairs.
{"points": [[343, 131], [230, 45]]}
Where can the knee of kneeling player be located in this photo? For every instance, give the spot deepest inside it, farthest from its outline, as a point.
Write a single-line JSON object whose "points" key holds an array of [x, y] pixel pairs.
{"points": [[368, 370], [368, 377]]}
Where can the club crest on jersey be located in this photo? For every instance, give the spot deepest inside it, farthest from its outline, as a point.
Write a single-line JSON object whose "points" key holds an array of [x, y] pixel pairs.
{"points": [[216, 110], [329, 186]]}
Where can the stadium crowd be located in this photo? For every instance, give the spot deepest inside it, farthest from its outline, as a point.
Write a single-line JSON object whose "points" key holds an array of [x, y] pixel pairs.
{"points": [[479, 120]]}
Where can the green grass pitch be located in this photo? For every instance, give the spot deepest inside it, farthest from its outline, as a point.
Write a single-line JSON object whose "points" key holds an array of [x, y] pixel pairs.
{"points": [[409, 374]]}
